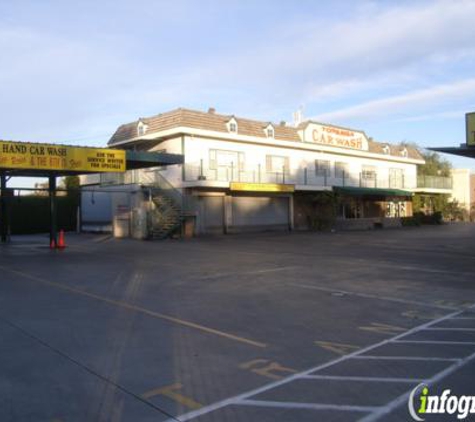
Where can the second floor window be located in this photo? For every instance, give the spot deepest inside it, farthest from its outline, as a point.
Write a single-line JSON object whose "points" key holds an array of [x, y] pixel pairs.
{"points": [[277, 164], [396, 178], [322, 168], [226, 159], [368, 173], [341, 170]]}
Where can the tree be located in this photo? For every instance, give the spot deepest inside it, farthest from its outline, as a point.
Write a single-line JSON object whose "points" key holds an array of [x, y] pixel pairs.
{"points": [[434, 165], [71, 182]]}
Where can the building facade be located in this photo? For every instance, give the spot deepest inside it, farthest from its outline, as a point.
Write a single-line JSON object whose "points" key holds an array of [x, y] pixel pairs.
{"points": [[244, 175], [463, 190]]}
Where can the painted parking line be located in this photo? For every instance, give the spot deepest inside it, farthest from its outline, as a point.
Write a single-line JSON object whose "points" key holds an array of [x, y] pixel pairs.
{"points": [[421, 358], [372, 296], [245, 398], [173, 392], [471, 343], [135, 308], [312, 406], [364, 379], [449, 329], [402, 399]]}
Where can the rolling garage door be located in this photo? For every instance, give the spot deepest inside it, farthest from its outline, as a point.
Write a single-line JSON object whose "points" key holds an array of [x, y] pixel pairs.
{"points": [[260, 213], [211, 211]]}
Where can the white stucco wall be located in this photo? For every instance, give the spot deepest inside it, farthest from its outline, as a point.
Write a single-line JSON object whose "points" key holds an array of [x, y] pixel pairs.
{"points": [[461, 187]]}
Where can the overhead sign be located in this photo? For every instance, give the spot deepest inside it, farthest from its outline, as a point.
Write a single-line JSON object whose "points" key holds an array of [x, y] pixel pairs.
{"points": [[336, 136], [470, 128], [32, 156], [261, 187]]}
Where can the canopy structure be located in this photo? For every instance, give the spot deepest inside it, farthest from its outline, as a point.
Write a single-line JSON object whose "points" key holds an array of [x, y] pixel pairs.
{"points": [[463, 150], [28, 159], [357, 191]]}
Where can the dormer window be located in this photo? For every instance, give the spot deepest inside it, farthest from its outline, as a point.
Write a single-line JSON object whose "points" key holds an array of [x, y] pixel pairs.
{"points": [[269, 130], [386, 150], [232, 125], [404, 152], [141, 128]]}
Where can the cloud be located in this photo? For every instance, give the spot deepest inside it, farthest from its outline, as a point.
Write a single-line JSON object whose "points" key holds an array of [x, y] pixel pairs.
{"points": [[406, 104]]}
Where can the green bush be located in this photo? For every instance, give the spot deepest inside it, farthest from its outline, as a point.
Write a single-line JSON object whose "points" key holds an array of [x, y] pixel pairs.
{"points": [[410, 221]]}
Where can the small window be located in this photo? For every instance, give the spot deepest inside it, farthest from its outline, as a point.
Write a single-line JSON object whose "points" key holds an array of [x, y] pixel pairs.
{"points": [[141, 129], [404, 152], [386, 150], [341, 170], [322, 168], [232, 125], [269, 131]]}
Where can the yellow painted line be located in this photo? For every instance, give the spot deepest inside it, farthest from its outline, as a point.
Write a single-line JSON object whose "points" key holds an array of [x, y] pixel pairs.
{"points": [[136, 308], [380, 328], [338, 348], [170, 392]]}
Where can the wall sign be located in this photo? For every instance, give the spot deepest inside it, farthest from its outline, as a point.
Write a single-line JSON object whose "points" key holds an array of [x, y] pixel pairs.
{"points": [[336, 136], [32, 156], [261, 187]]}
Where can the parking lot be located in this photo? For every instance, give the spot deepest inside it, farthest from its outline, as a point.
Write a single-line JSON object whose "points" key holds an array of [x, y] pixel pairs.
{"points": [[256, 327]]}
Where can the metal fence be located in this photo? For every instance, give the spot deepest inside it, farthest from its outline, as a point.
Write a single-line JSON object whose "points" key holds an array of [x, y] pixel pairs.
{"points": [[303, 176], [434, 182]]}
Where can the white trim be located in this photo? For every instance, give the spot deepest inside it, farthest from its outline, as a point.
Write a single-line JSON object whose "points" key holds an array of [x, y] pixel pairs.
{"points": [[233, 137]]}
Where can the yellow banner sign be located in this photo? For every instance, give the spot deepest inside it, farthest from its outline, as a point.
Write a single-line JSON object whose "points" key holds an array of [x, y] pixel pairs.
{"points": [[30, 156], [470, 128], [261, 187]]}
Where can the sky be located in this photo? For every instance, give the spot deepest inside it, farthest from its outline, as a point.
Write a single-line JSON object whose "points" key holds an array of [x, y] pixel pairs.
{"points": [[72, 72]]}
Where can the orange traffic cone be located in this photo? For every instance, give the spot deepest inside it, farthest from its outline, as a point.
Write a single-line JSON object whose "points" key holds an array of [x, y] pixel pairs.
{"points": [[61, 243]]}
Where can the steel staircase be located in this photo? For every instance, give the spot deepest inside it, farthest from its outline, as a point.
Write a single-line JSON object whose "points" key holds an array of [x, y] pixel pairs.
{"points": [[165, 216]]}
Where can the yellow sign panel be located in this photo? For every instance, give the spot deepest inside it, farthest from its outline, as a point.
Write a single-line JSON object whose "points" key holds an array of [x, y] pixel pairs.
{"points": [[470, 128], [261, 187], [30, 156]]}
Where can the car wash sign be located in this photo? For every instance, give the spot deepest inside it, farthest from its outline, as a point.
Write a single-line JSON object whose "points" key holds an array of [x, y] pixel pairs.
{"points": [[32, 156], [335, 136]]}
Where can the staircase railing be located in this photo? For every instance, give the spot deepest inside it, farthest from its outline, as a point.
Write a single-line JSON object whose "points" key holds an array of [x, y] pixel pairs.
{"points": [[169, 202]]}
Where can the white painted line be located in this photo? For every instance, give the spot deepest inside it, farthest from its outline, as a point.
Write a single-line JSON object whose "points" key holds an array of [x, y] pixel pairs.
{"points": [[402, 399], [371, 296], [244, 396], [312, 406], [434, 342], [448, 329], [364, 379], [429, 359]]}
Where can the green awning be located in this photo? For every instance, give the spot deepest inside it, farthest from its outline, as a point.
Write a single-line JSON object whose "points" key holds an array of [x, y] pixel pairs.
{"points": [[357, 191]]}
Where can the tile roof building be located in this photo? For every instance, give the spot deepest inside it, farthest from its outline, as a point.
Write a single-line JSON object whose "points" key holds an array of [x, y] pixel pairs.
{"points": [[241, 174]]}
